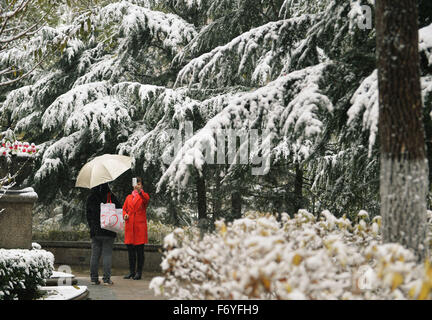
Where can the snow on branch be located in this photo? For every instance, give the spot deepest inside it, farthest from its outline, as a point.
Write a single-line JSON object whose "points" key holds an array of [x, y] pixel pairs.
{"points": [[302, 119], [365, 104], [22, 104], [179, 4], [255, 57], [167, 112], [365, 107], [295, 8], [59, 111], [100, 115], [262, 109], [425, 35], [58, 155], [139, 97], [172, 31], [108, 68]]}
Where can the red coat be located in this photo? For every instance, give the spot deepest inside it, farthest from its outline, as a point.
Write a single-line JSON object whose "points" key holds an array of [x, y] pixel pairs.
{"points": [[136, 225]]}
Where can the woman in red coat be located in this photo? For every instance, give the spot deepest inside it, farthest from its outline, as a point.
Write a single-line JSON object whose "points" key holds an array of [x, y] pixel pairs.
{"points": [[134, 214]]}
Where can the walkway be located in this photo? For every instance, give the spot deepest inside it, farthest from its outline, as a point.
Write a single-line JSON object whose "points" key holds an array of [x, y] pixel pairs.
{"points": [[122, 289]]}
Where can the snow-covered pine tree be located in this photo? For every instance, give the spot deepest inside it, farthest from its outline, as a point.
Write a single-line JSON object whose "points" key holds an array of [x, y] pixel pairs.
{"points": [[19, 21], [247, 62], [298, 72], [81, 106]]}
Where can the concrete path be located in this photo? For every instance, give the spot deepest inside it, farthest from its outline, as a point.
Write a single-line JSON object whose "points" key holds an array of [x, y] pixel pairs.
{"points": [[122, 289]]}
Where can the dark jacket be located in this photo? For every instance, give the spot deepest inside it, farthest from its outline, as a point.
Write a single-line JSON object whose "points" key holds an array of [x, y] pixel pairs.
{"points": [[99, 194]]}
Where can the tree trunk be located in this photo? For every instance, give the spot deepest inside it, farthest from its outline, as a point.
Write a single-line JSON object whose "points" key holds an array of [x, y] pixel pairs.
{"points": [[404, 168], [172, 211], [201, 197], [236, 203], [217, 199], [298, 188]]}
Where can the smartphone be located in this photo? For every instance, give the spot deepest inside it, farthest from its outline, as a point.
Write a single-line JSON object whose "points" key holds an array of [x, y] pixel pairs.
{"points": [[134, 182]]}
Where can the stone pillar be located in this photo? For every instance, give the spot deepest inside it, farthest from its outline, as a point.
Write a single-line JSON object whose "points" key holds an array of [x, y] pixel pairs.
{"points": [[16, 218]]}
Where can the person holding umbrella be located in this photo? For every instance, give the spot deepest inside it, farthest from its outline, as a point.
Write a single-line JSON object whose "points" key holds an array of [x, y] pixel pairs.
{"points": [[135, 216], [101, 240], [95, 175]]}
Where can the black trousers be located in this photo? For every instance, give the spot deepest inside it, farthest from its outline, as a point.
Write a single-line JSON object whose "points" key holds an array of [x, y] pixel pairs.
{"points": [[136, 258]]}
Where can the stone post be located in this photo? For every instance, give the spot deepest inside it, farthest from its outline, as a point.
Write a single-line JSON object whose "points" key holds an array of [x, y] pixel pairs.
{"points": [[16, 218]]}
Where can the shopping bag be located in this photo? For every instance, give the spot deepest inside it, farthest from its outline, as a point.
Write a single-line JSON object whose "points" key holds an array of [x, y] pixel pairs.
{"points": [[111, 218]]}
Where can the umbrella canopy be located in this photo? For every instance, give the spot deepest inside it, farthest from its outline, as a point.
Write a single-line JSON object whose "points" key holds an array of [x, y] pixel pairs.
{"points": [[102, 169]]}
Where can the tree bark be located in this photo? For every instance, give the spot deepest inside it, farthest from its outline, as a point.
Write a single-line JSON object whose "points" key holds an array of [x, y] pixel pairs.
{"points": [[172, 211], [201, 197], [236, 204], [404, 168], [217, 198], [298, 188]]}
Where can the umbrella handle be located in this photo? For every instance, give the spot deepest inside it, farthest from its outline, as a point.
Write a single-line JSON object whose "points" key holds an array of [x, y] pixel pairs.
{"points": [[109, 197]]}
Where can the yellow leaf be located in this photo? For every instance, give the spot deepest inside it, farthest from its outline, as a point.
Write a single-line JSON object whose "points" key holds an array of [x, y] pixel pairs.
{"points": [[266, 283], [223, 229], [397, 280], [411, 292], [424, 292], [288, 288], [428, 268], [297, 259]]}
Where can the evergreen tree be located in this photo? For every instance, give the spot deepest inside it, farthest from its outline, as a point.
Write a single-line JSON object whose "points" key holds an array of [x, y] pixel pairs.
{"points": [[128, 75]]}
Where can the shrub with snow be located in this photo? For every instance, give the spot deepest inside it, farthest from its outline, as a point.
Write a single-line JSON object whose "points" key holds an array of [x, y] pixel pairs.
{"points": [[258, 257], [23, 271]]}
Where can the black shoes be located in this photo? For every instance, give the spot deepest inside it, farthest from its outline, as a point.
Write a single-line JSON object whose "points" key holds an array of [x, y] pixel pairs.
{"points": [[129, 276], [137, 276], [134, 276]]}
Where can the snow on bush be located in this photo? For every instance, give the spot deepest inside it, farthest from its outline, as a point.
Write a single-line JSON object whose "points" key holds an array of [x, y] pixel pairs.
{"points": [[23, 271], [258, 257]]}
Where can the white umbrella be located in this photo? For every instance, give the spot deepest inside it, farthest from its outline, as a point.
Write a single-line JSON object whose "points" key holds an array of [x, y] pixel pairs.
{"points": [[102, 169]]}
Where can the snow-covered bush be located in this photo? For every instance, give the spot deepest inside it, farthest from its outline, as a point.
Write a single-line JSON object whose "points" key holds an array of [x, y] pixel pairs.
{"points": [[258, 257], [23, 271]]}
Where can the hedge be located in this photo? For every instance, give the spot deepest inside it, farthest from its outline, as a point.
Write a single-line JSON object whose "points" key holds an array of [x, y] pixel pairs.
{"points": [[54, 232], [22, 272]]}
